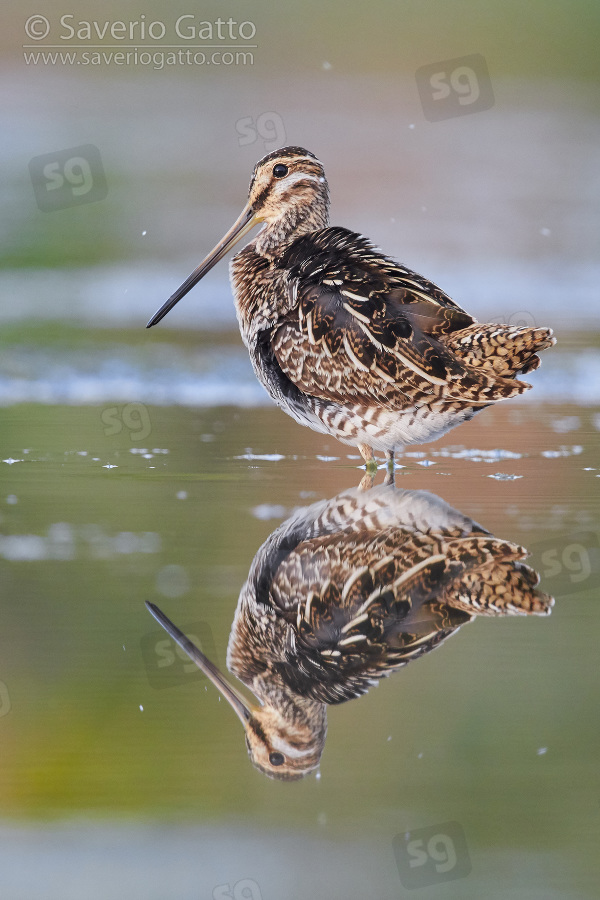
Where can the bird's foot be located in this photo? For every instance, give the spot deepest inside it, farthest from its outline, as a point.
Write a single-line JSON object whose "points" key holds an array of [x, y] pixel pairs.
{"points": [[366, 451], [368, 480]]}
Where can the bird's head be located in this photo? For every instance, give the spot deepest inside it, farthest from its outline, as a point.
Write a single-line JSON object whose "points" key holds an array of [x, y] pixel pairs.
{"points": [[288, 195], [284, 742], [282, 747], [288, 192]]}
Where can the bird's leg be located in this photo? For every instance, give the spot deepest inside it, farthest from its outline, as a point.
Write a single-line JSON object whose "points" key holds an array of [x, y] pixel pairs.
{"points": [[366, 451], [367, 481], [390, 475]]}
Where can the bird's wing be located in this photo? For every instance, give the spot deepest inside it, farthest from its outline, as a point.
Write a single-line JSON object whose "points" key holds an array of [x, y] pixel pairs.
{"points": [[368, 581], [360, 326], [364, 608]]}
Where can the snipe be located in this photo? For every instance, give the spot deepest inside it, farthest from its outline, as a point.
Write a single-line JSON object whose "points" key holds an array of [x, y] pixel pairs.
{"points": [[346, 592], [343, 338]]}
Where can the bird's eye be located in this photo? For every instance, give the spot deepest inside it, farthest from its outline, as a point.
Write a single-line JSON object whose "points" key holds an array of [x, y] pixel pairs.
{"points": [[280, 171], [276, 759]]}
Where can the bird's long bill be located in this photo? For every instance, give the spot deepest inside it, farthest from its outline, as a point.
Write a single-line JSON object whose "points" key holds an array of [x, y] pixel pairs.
{"points": [[203, 663], [240, 227]]}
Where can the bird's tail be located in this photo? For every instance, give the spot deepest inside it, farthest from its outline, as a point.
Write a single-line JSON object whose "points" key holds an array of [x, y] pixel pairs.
{"points": [[500, 350], [499, 584]]}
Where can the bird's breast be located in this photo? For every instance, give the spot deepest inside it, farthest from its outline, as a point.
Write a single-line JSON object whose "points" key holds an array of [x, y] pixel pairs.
{"points": [[260, 293]]}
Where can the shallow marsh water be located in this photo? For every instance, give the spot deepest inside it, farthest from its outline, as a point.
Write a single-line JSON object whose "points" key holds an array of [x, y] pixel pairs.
{"points": [[121, 745]]}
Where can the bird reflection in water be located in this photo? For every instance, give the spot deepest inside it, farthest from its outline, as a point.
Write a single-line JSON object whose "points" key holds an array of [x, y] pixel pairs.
{"points": [[342, 594]]}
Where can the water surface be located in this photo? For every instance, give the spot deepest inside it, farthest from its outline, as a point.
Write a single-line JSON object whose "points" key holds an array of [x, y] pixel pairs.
{"points": [[495, 730]]}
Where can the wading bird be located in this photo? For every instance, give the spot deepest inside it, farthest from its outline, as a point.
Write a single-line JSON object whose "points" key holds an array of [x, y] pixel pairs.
{"points": [[343, 338], [344, 593]]}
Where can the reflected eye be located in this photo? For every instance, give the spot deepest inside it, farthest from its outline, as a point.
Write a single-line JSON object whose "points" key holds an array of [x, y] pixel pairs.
{"points": [[280, 171], [276, 759]]}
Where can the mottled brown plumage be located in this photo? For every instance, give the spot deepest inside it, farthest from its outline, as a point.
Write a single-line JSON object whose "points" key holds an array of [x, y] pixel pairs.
{"points": [[345, 339], [346, 592]]}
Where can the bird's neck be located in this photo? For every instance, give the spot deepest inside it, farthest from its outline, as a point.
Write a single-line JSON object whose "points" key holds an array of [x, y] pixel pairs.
{"points": [[300, 712], [294, 223]]}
